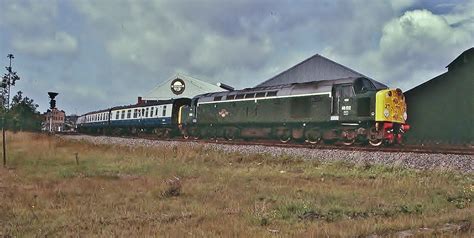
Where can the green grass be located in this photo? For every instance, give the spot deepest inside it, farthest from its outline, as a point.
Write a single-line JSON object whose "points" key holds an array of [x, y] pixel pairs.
{"points": [[124, 191]]}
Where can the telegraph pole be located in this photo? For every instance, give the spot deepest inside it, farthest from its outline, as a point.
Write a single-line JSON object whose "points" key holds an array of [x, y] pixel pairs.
{"points": [[8, 80]]}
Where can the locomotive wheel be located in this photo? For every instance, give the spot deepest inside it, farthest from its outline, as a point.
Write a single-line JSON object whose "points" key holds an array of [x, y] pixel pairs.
{"points": [[313, 136], [375, 142], [230, 133], [375, 137], [348, 137], [348, 142], [285, 136]]}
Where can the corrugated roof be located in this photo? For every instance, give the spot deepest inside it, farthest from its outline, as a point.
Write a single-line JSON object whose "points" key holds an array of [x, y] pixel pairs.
{"points": [[315, 68]]}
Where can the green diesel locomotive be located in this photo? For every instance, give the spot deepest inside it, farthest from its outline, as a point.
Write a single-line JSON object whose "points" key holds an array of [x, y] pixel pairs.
{"points": [[345, 110]]}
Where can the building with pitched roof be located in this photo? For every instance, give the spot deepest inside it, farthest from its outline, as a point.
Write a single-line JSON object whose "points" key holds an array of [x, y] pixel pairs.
{"points": [[180, 86], [442, 109], [315, 68]]}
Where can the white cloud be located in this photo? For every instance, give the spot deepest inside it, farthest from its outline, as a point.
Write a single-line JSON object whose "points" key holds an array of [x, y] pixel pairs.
{"points": [[28, 14], [60, 43], [413, 48]]}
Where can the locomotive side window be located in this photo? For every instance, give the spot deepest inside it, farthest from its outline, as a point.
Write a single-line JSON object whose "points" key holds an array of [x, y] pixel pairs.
{"points": [[271, 94], [249, 95]]}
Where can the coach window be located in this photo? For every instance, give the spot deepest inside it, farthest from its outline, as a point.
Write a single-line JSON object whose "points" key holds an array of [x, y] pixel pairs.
{"points": [[164, 110]]}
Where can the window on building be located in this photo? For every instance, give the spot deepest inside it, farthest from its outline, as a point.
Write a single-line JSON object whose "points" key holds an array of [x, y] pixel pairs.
{"points": [[156, 111], [151, 111], [117, 115], [143, 112], [146, 112], [164, 110], [123, 114], [129, 113], [134, 113]]}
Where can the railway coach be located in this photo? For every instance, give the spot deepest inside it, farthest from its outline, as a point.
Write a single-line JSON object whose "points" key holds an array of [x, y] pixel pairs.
{"points": [[347, 110], [157, 117]]}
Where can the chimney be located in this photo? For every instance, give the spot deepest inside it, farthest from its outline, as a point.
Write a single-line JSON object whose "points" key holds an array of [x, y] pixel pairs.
{"points": [[140, 101]]}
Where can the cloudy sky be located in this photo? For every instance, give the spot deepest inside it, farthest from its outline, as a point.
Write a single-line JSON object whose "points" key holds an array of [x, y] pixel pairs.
{"points": [[101, 53]]}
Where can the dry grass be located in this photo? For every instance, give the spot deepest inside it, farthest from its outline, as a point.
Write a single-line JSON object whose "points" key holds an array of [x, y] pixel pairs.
{"points": [[123, 191]]}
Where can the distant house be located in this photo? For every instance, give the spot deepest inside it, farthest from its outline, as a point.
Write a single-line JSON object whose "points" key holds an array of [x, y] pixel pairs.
{"points": [[442, 109], [54, 120]]}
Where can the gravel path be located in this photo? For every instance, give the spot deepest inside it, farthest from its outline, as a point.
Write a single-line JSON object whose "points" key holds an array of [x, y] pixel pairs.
{"points": [[460, 163]]}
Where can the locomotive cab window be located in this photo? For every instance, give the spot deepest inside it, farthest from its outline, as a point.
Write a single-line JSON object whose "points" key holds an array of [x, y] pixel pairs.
{"points": [[363, 85]]}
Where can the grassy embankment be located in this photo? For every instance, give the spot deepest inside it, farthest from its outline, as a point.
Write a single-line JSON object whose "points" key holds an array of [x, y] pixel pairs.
{"points": [[118, 190]]}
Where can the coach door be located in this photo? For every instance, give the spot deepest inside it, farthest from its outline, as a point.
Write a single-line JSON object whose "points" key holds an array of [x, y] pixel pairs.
{"points": [[342, 102]]}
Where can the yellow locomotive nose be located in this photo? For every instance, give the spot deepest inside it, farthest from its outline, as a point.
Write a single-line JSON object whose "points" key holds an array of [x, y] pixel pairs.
{"points": [[390, 106]]}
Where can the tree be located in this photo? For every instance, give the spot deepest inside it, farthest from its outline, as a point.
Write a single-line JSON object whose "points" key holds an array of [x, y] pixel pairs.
{"points": [[23, 114]]}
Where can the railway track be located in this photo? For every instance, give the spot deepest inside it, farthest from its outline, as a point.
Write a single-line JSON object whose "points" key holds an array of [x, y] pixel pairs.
{"points": [[404, 149], [410, 148]]}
